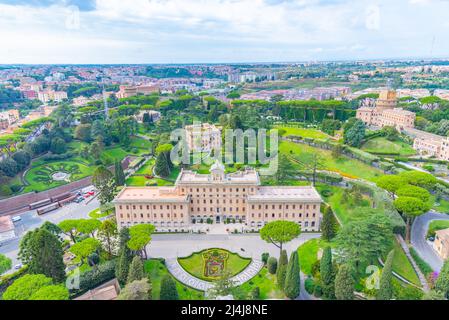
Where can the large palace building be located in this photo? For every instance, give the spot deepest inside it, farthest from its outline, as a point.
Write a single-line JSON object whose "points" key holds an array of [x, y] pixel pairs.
{"points": [[385, 113], [218, 197]]}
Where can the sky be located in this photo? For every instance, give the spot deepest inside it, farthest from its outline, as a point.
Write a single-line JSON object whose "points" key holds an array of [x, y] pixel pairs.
{"points": [[220, 31]]}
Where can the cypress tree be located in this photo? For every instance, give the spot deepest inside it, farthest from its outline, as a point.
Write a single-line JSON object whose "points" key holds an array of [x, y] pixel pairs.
{"points": [[327, 273], [328, 225], [272, 265], [47, 256], [168, 289], [385, 288], [282, 269], [119, 174], [292, 279], [344, 283], [136, 271], [125, 256]]}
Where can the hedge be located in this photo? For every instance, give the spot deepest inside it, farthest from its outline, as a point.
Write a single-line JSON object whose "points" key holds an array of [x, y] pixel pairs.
{"points": [[422, 265], [95, 277]]}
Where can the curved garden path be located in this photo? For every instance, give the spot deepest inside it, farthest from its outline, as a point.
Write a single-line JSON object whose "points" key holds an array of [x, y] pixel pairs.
{"points": [[186, 278]]}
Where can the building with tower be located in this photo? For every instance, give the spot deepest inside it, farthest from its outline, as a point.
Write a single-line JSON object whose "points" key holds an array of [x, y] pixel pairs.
{"points": [[385, 113]]}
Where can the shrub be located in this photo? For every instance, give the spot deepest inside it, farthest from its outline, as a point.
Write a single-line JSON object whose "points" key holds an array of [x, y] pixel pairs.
{"points": [[265, 257], [318, 291], [93, 278], [168, 289], [255, 293], [272, 265], [309, 285]]}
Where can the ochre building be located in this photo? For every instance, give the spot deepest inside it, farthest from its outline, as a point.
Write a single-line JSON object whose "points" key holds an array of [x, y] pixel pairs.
{"points": [[385, 113], [218, 197]]}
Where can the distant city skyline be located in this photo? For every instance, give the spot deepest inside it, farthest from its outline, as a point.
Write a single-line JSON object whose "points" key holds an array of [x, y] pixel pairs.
{"points": [[220, 31]]}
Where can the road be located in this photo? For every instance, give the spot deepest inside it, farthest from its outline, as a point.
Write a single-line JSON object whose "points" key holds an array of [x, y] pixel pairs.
{"points": [[31, 220], [181, 245], [419, 242]]}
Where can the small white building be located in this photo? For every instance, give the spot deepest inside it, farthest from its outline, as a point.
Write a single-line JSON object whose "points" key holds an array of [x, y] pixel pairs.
{"points": [[7, 231]]}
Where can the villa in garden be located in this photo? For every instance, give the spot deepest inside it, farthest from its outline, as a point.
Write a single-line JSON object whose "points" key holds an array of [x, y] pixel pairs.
{"points": [[441, 243], [218, 197], [203, 137]]}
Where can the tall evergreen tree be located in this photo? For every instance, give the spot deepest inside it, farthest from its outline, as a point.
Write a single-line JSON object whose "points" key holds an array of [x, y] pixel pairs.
{"points": [[163, 165], [46, 256], [136, 271], [327, 273], [344, 283], [119, 174], [385, 287], [125, 256], [328, 225], [292, 278], [168, 289], [282, 269]]}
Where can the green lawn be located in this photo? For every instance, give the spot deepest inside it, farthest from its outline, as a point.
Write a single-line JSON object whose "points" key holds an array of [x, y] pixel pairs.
{"points": [[308, 254], [440, 206], [156, 270], [96, 214], [437, 225], [303, 132], [383, 145], [402, 265], [345, 209], [351, 168], [140, 143], [266, 283], [195, 264]]}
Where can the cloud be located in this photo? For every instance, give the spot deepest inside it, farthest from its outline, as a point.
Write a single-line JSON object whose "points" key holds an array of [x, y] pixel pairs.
{"points": [[83, 5], [133, 31]]}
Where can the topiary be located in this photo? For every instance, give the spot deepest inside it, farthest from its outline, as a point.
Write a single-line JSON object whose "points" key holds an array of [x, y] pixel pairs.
{"points": [[272, 265]]}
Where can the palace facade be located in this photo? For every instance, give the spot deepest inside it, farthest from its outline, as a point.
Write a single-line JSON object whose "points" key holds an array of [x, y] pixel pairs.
{"points": [[218, 197]]}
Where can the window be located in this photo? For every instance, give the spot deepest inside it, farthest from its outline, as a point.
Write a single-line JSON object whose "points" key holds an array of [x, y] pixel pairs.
{"points": [[272, 215], [134, 207], [120, 207]]}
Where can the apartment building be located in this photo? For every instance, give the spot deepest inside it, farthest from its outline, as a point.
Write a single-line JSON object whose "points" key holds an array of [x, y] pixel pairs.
{"points": [[129, 91], [51, 95], [218, 197]]}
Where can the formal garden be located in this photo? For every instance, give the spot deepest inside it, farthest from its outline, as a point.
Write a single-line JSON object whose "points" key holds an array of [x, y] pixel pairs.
{"points": [[211, 264], [46, 175]]}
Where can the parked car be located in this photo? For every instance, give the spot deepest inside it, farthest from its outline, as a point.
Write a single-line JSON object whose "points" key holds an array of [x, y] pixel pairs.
{"points": [[79, 199], [18, 266], [16, 219]]}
